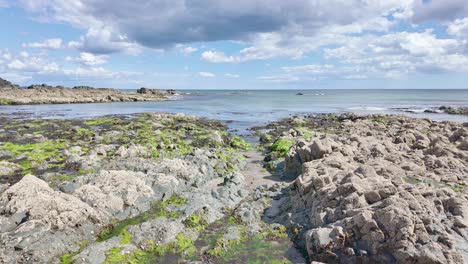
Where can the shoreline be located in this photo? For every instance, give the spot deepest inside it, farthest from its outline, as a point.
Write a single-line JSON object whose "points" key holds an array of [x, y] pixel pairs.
{"points": [[312, 180], [11, 94]]}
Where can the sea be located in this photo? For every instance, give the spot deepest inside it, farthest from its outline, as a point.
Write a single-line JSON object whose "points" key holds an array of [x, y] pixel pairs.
{"points": [[242, 109]]}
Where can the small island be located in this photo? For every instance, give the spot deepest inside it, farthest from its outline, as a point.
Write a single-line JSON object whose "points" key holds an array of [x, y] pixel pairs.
{"points": [[12, 94]]}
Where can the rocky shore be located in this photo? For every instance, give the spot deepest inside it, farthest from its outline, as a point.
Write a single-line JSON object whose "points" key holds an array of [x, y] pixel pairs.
{"points": [[11, 94], [151, 188], [377, 189], [161, 188]]}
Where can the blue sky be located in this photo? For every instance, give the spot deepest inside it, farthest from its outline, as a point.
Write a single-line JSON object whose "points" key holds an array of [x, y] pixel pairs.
{"points": [[244, 44]]}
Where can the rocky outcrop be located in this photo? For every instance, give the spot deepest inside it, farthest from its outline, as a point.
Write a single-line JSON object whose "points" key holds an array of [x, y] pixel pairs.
{"points": [[4, 84], [454, 110], [39, 221], [388, 190], [43, 94], [156, 91]]}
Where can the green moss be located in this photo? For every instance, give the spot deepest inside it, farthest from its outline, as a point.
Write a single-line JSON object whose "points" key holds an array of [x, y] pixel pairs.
{"points": [[6, 102], [240, 144], [176, 200], [67, 258], [113, 255], [183, 246], [273, 233], [411, 180], [196, 222], [126, 237], [36, 153], [251, 249], [459, 187], [159, 209], [282, 145], [84, 133], [100, 121]]}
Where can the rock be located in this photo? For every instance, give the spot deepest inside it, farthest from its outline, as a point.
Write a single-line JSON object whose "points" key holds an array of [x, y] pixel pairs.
{"points": [[7, 168], [44, 222], [383, 191], [46, 206], [463, 145], [121, 194], [160, 231], [44, 94]]}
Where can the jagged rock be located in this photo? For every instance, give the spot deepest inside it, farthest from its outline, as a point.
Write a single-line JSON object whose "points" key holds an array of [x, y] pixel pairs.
{"points": [[43, 222], [387, 193]]}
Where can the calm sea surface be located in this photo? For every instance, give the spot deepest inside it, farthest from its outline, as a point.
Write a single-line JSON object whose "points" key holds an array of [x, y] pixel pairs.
{"points": [[248, 108]]}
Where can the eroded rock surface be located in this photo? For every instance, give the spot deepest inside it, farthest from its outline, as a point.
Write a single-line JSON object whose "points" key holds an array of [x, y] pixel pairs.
{"points": [[381, 189]]}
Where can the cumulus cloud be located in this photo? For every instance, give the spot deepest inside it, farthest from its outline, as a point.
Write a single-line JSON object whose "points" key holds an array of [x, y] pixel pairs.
{"points": [[207, 74], [90, 59], [22, 66], [218, 57], [162, 23], [54, 43], [400, 53], [24, 63], [360, 36], [103, 40]]}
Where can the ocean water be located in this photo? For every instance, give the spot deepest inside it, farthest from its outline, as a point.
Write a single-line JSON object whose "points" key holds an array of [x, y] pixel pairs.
{"points": [[243, 109]]}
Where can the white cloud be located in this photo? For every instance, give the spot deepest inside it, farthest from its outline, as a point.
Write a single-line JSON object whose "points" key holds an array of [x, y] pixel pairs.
{"points": [[90, 59], [218, 57], [459, 27], [207, 74], [23, 67], [23, 62], [231, 75], [359, 37], [161, 23], [400, 53], [55, 43], [104, 40]]}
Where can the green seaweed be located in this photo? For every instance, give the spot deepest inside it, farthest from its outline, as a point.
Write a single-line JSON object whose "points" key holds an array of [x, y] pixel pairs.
{"points": [[7, 102], [282, 146], [183, 246], [240, 144], [195, 221], [100, 121], [159, 209]]}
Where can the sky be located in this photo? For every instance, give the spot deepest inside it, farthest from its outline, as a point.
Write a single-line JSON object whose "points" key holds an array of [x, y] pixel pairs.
{"points": [[242, 44]]}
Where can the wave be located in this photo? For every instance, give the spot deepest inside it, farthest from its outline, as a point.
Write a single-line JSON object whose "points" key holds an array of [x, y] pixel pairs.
{"points": [[368, 108], [418, 110]]}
